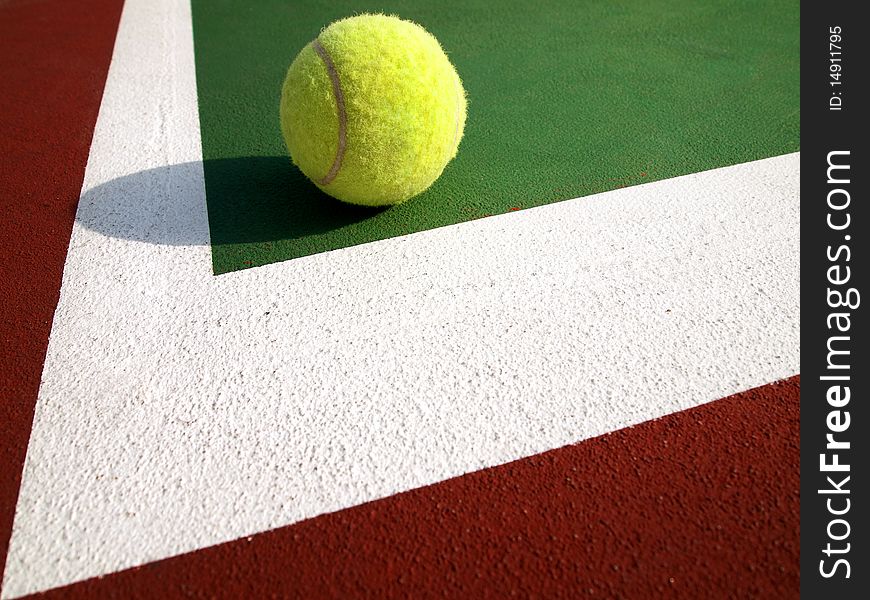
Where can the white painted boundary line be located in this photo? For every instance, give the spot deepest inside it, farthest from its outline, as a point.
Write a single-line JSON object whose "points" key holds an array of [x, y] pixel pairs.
{"points": [[179, 410]]}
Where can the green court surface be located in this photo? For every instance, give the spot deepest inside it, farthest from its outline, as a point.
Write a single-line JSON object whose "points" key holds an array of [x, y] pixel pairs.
{"points": [[566, 98]]}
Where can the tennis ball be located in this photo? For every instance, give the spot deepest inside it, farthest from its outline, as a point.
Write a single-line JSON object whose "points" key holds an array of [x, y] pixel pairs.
{"points": [[372, 110]]}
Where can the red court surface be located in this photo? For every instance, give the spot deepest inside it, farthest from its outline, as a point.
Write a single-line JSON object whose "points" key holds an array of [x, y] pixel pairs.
{"points": [[596, 398]]}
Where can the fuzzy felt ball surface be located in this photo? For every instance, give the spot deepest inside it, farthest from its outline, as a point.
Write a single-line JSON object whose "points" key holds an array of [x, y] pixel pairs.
{"points": [[372, 110]]}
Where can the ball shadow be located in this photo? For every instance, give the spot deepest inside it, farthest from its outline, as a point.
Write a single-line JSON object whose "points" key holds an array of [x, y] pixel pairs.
{"points": [[250, 199]]}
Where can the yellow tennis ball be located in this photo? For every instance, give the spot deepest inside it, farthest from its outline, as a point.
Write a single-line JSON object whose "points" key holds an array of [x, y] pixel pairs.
{"points": [[372, 110]]}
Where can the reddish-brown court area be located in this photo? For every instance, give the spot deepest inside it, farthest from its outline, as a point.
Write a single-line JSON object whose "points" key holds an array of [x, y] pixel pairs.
{"points": [[53, 64], [699, 504]]}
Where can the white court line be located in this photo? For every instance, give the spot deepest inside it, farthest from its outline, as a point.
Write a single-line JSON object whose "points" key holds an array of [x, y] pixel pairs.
{"points": [[178, 410]]}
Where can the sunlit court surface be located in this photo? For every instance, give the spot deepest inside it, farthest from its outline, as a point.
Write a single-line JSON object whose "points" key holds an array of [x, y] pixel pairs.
{"points": [[568, 367]]}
